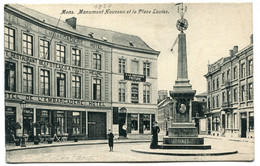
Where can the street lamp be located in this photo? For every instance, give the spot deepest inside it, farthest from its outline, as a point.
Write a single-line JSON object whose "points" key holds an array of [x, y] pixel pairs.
{"points": [[23, 106]]}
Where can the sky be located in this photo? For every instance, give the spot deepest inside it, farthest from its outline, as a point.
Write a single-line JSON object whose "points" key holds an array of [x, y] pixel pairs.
{"points": [[214, 28]]}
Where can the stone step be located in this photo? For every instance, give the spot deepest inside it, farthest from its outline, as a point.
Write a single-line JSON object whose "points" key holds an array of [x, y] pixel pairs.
{"points": [[183, 132], [183, 140], [176, 146]]}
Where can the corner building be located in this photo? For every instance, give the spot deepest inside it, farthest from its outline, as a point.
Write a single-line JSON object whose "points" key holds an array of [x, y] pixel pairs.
{"points": [[230, 91], [59, 74]]}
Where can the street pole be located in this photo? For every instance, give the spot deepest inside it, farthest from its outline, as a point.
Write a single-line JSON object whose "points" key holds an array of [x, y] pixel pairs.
{"points": [[23, 105]]}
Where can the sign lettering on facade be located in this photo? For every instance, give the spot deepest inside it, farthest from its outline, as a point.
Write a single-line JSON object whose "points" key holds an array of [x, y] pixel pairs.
{"points": [[44, 99], [134, 77]]}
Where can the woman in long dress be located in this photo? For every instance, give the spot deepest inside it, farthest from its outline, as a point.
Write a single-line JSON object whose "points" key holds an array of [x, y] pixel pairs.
{"points": [[155, 131]]}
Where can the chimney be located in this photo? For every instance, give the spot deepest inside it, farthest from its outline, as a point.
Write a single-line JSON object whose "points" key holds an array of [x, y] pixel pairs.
{"points": [[251, 39], [72, 22], [235, 50], [231, 53]]}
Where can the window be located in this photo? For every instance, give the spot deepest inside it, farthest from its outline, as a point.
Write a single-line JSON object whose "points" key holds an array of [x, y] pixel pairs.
{"points": [[121, 67], [235, 94], [45, 82], [134, 93], [243, 70], [96, 61], [235, 120], [228, 75], [60, 122], [213, 102], [217, 83], [251, 121], [228, 121], [213, 86], [45, 123], [208, 86], [44, 49], [243, 93], [121, 92], [61, 85], [27, 79], [9, 38], [250, 72], [228, 96], [223, 97], [216, 123], [217, 101], [146, 69], [135, 67], [235, 72], [250, 91], [60, 53], [208, 102], [223, 78], [146, 94], [76, 87], [76, 122], [10, 76], [134, 122], [76, 57], [96, 89], [27, 44]]}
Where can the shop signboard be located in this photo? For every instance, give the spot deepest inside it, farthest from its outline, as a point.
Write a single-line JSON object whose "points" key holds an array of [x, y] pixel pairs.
{"points": [[134, 77]]}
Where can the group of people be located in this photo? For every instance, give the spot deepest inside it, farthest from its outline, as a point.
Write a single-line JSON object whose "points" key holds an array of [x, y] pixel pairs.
{"points": [[154, 141]]}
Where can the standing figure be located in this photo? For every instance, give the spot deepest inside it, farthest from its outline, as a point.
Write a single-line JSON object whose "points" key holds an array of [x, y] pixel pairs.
{"points": [[124, 127], [155, 131], [110, 140]]}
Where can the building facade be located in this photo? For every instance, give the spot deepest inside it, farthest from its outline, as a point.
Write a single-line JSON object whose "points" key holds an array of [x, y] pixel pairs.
{"points": [[230, 90], [162, 94], [58, 75]]}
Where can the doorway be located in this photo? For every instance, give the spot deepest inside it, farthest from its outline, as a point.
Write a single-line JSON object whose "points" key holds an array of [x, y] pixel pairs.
{"points": [[97, 125], [243, 127], [28, 123]]}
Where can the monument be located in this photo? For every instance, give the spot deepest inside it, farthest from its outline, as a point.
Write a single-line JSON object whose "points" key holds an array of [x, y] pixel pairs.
{"points": [[182, 133]]}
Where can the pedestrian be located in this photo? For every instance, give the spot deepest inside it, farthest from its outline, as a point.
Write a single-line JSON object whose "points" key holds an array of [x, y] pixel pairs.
{"points": [[110, 140], [124, 127], [155, 131]]}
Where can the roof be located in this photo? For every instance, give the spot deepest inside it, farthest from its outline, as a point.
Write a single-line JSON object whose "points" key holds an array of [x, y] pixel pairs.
{"points": [[120, 39], [202, 94]]}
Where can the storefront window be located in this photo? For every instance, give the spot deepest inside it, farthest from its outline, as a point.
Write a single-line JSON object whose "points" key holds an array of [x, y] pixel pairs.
{"points": [[45, 123], [76, 122], [146, 122], [60, 122], [134, 122]]}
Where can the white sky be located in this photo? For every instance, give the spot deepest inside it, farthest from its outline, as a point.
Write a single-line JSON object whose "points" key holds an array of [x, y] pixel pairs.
{"points": [[213, 30]]}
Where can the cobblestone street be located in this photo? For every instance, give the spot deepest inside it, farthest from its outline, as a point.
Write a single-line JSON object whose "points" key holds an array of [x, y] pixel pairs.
{"points": [[122, 153]]}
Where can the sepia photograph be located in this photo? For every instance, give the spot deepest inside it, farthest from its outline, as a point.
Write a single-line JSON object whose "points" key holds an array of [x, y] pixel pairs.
{"points": [[128, 82]]}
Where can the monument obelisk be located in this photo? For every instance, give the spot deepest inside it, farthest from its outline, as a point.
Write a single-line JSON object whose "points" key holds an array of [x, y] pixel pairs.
{"points": [[182, 133]]}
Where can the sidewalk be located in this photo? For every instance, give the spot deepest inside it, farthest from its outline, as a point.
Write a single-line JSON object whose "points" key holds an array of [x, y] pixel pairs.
{"points": [[229, 139], [30, 145]]}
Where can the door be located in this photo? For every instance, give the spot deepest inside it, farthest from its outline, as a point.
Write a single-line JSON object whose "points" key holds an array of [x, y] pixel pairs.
{"points": [[97, 125], [28, 123], [121, 121], [243, 128]]}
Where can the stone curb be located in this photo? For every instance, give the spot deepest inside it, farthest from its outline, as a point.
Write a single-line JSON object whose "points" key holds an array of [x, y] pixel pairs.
{"points": [[185, 154]]}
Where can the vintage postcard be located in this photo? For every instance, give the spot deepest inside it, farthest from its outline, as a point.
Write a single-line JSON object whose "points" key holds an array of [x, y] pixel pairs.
{"points": [[110, 82]]}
